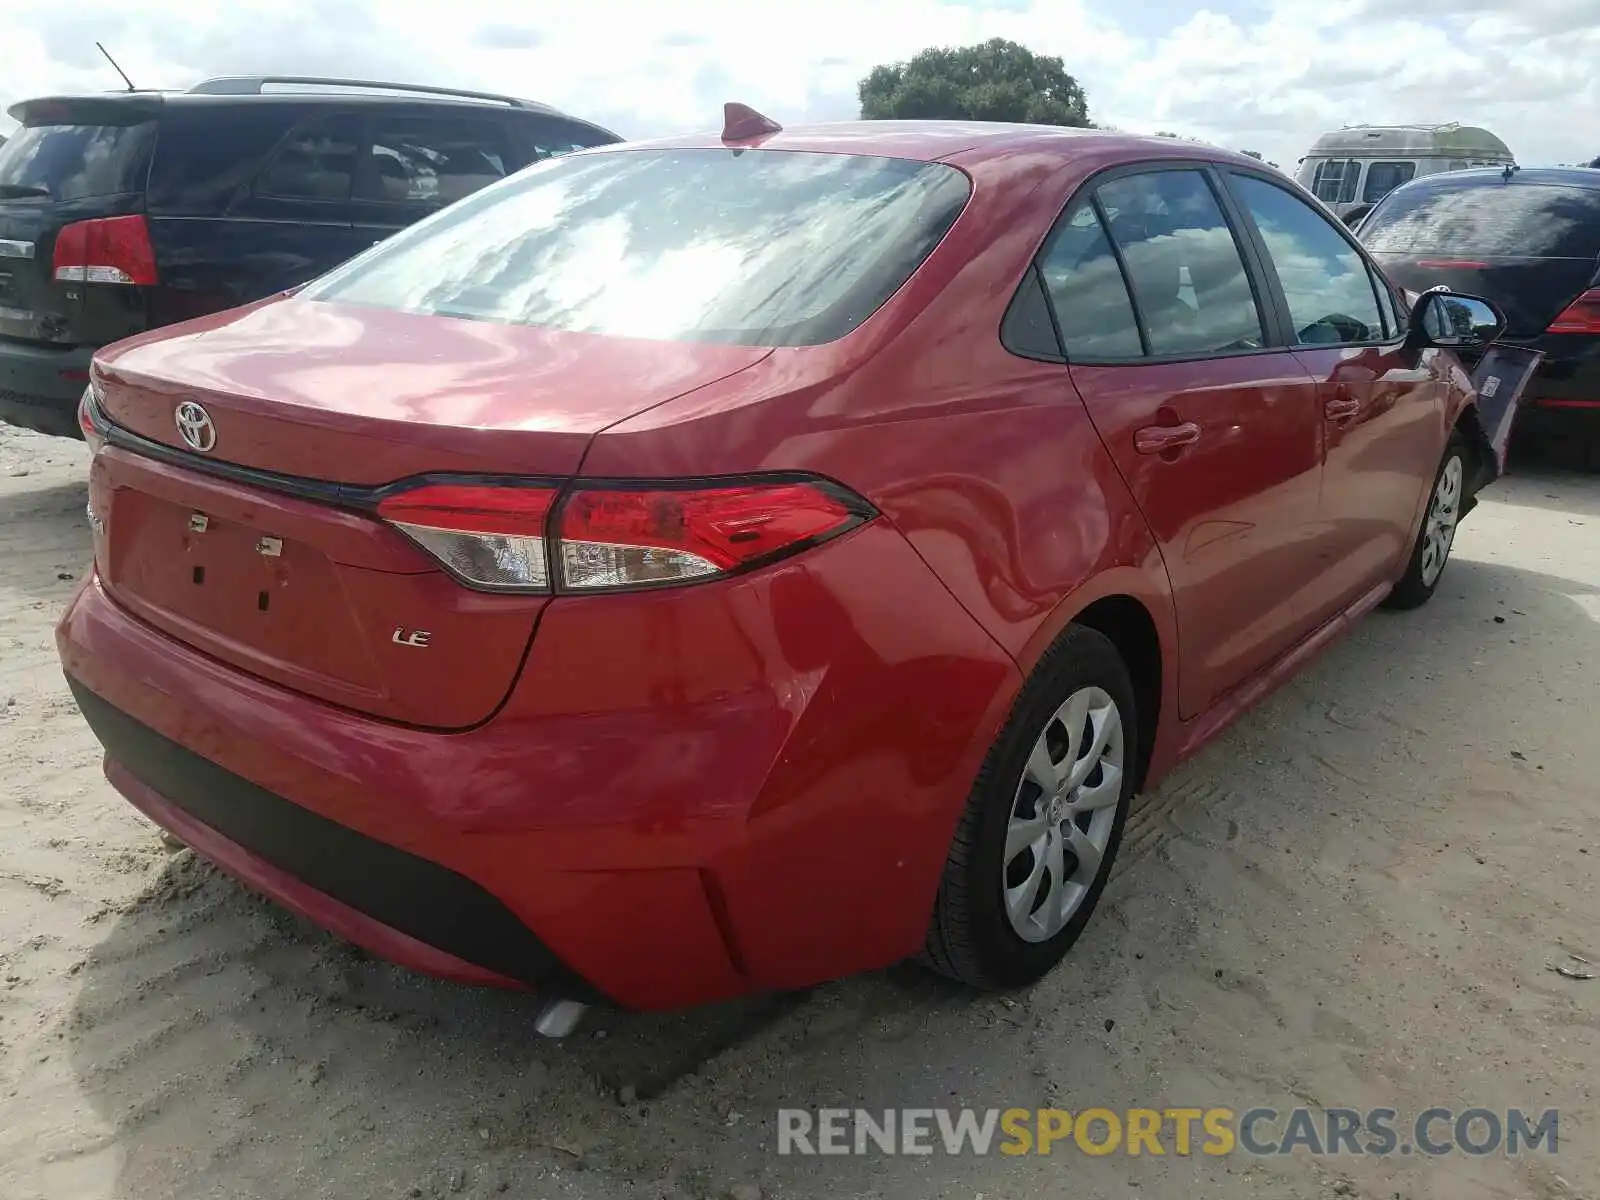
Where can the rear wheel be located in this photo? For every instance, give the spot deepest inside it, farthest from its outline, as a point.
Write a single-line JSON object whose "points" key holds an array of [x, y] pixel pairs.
{"points": [[1034, 847], [1437, 535]]}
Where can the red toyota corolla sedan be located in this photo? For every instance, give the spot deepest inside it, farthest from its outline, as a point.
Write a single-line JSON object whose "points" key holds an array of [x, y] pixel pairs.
{"points": [[730, 563]]}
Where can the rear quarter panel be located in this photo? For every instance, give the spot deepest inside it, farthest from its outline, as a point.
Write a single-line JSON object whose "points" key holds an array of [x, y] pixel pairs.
{"points": [[986, 462]]}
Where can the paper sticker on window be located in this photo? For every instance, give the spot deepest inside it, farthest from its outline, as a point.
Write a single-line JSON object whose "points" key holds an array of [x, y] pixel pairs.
{"points": [[1490, 386]]}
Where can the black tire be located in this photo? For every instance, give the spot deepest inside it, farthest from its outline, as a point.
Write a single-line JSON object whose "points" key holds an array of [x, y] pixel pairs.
{"points": [[970, 937], [1413, 590]]}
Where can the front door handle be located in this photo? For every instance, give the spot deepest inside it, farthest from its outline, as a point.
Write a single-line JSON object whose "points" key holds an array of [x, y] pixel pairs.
{"points": [[1341, 408], [1158, 439]]}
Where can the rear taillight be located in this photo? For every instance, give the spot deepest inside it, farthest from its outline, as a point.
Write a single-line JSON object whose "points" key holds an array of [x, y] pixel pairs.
{"points": [[89, 420], [106, 250], [500, 537], [632, 537], [1581, 316], [490, 537]]}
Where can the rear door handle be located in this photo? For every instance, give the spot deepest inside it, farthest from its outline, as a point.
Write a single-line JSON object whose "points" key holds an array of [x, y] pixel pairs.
{"points": [[1157, 439], [1341, 408]]}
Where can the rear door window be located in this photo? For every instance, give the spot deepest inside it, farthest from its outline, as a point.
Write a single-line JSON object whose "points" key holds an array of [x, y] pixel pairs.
{"points": [[753, 247], [1487, 219], [1087, 290], [1335, 180], [72, 162], [1187, 274], [1330, 293], [1384, 177], [432, 161], [317, 162]]}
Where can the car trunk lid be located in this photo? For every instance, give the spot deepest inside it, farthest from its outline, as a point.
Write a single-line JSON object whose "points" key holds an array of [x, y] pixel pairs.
{"points": [[266, 553], [1531, 292], [365, 396]]}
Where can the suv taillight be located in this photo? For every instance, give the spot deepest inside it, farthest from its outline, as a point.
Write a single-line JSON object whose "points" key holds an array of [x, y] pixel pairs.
{"points": [[514, 537], [106, 250], [1581, 316]]}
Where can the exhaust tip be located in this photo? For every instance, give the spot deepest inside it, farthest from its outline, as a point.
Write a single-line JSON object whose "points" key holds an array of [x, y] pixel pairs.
{"points": [[558, 1018]]}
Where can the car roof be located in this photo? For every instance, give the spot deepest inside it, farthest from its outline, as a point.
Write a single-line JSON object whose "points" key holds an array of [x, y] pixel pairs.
{"points": [[338, 93], [935, 141], [1584, 177]]}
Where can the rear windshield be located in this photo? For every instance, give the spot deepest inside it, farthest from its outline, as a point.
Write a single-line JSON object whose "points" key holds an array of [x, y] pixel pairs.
{"points": [[69, 162], [1487, 219], [755, 247]]}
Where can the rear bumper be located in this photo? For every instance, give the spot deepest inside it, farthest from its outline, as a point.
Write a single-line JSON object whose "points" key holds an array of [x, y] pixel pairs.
{"points": [[1560, 408], [740, 786], [289, 890], [395, 904], [40, 387]]}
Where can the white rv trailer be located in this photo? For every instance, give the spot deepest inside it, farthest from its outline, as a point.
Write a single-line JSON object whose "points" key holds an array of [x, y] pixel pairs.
{"points": [[1351, 169]]}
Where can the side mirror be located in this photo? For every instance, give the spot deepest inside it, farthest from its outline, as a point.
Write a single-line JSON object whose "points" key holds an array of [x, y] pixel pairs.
{"points": [[1456, 322]]}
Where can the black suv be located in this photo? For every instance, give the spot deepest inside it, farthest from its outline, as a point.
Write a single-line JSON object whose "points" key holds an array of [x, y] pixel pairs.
{"points": [[130, 210], [1530, 241]]}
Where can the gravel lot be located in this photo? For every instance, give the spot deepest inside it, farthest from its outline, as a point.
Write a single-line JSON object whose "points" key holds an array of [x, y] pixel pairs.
{"points": [[1355, 898]]}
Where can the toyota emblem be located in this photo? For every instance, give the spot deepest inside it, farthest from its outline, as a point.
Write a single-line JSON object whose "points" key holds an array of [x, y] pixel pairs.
{"points": [[195, 427]]}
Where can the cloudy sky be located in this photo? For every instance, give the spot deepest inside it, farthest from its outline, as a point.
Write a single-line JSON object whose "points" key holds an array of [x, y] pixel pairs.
{"points": [[1251, 74]]}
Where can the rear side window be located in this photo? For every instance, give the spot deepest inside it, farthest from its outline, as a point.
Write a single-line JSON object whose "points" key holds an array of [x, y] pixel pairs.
{"points": [[1329, 291], [432, 161], [753, 247], [70, 162], [1188, 277], [1487, 218], [1086, 288], [1384, 177], [546, 137], [317, 162], [1335, 180]]}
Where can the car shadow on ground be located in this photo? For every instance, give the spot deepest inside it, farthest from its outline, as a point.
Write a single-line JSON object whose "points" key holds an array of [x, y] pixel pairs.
{"points": [[214, 1031]]}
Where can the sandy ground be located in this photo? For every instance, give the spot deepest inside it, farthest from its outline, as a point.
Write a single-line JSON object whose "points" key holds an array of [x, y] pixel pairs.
{"points": [[1354, 898]]}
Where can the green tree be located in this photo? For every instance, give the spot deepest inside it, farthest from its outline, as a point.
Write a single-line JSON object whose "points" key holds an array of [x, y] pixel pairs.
{"points": [[995, 81]]}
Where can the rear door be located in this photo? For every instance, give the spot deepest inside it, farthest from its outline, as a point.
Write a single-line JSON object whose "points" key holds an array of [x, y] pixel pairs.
{"points": [[72, 160], [1336, 182], [1212, 424], [417, 162], [292, 220], [1381, 407]]}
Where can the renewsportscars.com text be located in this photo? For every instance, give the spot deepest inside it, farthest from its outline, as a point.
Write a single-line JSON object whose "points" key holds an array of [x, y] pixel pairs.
{"points": [[1167, 1131]]}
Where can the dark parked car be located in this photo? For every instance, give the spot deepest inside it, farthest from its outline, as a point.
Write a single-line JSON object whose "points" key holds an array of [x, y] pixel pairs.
{"points": [[1530, 241], [128, 211], [725, 564]]}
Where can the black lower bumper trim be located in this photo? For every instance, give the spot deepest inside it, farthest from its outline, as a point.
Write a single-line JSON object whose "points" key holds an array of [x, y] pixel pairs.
{"points": [[414, 895]]}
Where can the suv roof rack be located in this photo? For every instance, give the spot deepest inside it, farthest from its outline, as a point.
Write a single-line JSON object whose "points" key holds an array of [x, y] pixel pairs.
{"points": [[253, 85]]}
